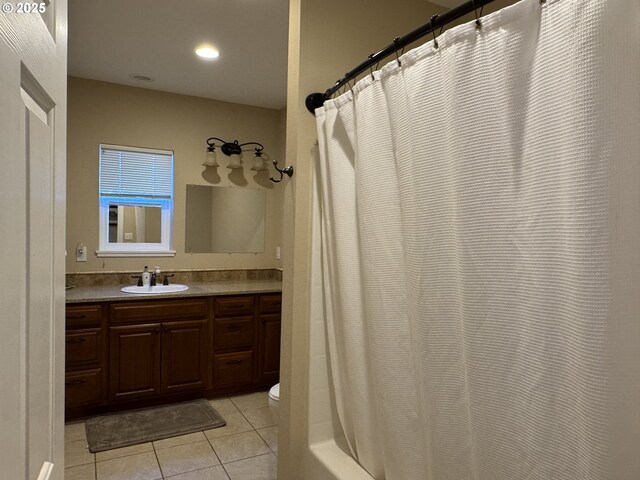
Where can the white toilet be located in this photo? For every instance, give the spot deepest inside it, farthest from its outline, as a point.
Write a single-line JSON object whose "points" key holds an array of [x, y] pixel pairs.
{"points": [[274, 399]]}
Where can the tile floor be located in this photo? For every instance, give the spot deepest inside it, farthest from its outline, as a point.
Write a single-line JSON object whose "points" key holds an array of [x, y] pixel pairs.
{"points": [[244, 449]]}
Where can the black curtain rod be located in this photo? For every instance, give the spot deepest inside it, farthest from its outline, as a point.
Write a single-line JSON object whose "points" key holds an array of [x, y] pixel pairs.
{"points": [[316, 100]]}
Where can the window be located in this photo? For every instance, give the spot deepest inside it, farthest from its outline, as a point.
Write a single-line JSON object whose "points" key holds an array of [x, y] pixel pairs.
{"points": [[136, 201]]}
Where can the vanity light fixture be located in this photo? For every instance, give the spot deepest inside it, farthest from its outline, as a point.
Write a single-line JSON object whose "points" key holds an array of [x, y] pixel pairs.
{"points": [[235, 161], [211, 159], [258, 162], [234, 150]]}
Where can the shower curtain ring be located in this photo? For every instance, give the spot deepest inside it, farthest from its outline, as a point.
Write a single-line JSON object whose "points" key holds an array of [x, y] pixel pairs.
{"points": [[335, 90], [371, 66], [433, 31], [350, 86], [475, 11], [395, 43]]}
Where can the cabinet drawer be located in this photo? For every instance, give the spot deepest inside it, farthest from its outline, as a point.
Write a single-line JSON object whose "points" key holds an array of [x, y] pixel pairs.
{"points": [[83, 346], [77, 315], [158, 310], [236, 305], [271, 303], [233, 333], [230, 368], [83, 388]]}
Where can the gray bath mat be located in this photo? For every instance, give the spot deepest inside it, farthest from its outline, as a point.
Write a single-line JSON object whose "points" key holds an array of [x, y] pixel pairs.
{"points": [[117, 430]]}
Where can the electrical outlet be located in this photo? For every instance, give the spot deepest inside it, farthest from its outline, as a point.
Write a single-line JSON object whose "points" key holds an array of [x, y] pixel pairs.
{"points": [[81, 254], [277, 253]]}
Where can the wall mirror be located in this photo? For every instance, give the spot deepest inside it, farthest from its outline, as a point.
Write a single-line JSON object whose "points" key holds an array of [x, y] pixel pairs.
{"points": [[224, 219]]}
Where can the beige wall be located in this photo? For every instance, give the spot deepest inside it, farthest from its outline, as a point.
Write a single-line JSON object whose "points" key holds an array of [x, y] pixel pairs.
{"points": [[326, 39], [102, 112]]}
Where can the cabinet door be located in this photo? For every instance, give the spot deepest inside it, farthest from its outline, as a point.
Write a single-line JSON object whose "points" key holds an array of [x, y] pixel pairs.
{"points": [[269, 347], [184, 355], [134, 361]]}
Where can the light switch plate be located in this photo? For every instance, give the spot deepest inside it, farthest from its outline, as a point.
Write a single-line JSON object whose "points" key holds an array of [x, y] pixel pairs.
{"points": [[81, 254]]}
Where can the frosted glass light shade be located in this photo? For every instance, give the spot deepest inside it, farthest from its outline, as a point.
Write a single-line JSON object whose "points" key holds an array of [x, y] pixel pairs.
{"points": [[210, 159], [235, 161], [258, 164]]}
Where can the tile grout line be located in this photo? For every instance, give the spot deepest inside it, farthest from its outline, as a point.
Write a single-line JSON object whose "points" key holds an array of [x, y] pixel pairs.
{"points": [[155, 453], [248, 458], [216, 454]]}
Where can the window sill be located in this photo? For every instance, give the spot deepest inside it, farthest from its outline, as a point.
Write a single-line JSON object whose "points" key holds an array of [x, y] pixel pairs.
{"points": [[148, 253]]}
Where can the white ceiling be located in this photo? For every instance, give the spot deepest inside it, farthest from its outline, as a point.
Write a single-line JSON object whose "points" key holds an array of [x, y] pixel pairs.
{"points": [[111, 39]]}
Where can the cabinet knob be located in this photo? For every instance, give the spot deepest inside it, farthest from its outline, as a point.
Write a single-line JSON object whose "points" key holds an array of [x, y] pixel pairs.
{"points": [[264, 320]]}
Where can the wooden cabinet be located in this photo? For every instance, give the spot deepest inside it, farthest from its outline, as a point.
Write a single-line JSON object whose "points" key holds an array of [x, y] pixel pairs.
{"points": [[269, 362], [135, 353], [270, 307], [166, 356], [234, 341], [84, 356]]}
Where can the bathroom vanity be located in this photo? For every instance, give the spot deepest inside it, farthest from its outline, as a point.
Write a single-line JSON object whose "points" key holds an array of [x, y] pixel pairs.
{"points": [[123, 352]]}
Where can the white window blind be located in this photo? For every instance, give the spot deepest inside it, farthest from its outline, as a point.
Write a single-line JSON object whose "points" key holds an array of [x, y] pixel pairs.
{"points": [[136, 172]]}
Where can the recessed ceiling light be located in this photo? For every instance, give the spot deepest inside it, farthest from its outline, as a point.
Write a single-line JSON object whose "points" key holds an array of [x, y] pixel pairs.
{"points": [[141, 78], [207, 52]]}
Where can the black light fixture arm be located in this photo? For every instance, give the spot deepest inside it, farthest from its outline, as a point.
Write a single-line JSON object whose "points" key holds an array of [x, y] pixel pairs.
{"points": [[316, 100], [232, 148]]}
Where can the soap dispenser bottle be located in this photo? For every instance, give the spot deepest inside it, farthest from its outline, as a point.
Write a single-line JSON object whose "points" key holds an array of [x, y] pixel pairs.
{"points": [[146, 277]]}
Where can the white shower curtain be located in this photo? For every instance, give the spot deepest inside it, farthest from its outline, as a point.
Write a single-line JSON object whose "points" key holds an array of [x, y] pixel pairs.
{"points": [[472, 238]]}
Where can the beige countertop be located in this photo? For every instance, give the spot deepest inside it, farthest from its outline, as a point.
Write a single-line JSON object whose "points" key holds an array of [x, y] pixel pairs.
{"points": [[109, 293]]}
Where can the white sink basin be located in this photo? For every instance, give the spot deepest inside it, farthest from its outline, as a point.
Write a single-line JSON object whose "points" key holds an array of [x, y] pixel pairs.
{"points": [[155, 290]]}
